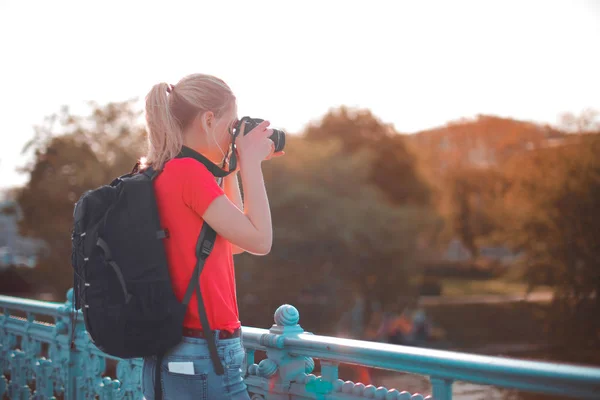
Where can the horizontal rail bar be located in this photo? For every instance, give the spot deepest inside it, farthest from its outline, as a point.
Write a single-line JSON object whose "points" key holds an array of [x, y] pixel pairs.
{"points": [[42, 332], [534, 376], [30, 306], [252, 337]]}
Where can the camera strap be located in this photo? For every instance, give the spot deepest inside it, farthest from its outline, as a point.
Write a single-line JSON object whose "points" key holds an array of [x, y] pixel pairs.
{"points": [[233, 159], [213, 168]]}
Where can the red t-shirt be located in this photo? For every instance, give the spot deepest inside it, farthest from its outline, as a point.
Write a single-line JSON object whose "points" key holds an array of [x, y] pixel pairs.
{"points": [[184, 190]]}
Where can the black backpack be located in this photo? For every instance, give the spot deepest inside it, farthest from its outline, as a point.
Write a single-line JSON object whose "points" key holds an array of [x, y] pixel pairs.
{"points": [[121, 277]]}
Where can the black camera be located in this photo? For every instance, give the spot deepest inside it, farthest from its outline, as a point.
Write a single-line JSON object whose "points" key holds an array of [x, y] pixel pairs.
{"points": [[278, 136]]}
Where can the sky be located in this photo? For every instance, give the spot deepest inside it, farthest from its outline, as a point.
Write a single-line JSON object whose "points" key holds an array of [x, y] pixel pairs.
{"points": [[415, 64]]}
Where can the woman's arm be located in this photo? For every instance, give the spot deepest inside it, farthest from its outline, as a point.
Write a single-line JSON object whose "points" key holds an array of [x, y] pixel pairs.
{"points": [[251, 229]]}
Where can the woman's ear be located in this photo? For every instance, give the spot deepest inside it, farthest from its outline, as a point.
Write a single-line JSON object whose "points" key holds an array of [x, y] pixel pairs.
{"points": [[208, 119]]}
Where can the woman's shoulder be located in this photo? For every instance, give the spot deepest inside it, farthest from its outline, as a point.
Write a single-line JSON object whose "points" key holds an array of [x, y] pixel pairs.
{"points": [[186, 166]]}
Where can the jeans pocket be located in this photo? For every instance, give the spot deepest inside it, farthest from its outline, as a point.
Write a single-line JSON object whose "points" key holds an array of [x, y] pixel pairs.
{"points": [[234, 358], [183, 387], [175, 386]]}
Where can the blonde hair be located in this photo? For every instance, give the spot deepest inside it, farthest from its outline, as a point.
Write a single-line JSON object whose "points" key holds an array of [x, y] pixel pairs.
{"points": [[170, 109]]}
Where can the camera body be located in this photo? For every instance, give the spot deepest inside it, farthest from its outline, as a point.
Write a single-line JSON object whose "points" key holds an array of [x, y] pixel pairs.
{"points": [[278, 136]]}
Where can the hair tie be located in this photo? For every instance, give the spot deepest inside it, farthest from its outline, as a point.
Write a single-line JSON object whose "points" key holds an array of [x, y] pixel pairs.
{"points": [[170, 88]]}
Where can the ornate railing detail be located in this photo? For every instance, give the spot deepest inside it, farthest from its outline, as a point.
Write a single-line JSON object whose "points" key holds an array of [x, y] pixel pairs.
{"points": [[284, 373], [45, 353]]}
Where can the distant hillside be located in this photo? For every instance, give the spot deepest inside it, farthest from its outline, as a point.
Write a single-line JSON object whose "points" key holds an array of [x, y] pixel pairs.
{"points": [[481, 142]]}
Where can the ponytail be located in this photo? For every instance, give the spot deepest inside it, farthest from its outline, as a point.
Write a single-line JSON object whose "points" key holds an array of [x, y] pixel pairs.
{"points": [[165, 137]]}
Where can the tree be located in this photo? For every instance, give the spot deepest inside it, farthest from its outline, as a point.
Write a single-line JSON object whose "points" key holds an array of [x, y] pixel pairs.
{"points": [[335, 231], [482, 142], [73, 154], [588, 121], [468, 198], [393, 167], [551, 216]]}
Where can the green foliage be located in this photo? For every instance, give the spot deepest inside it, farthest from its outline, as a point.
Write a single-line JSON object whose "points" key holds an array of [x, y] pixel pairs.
{"points": [[16, 281], [468, 194], [335, 231], [72, 154], [393, 168], [535, 190], [329, 203], [550, 214]]}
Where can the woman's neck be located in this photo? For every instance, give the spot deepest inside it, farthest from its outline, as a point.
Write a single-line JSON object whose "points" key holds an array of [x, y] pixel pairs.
{"points": [[215, 156]]}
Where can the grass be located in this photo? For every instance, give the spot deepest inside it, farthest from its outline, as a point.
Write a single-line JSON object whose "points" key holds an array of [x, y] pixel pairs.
{"points": [[462, 287], [476, 325]]}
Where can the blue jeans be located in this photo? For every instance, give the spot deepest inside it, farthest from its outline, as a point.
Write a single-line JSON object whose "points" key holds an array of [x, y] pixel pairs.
{"points": [[203, 383]]}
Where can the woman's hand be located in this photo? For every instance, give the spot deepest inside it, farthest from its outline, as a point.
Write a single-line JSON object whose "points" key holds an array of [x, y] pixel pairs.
{"points": [[255, 146], [272, 154]]}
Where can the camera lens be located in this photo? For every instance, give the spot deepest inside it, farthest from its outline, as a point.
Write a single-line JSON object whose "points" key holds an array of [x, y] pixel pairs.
{"points": [[278, 138]]}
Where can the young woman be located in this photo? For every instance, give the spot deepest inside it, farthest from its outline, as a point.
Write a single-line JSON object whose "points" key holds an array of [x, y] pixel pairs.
{"points": [[194, 117]]}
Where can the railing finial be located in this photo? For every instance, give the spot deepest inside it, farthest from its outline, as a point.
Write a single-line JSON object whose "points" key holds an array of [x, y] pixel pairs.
{"points": [[70, 296], [287, 315]]}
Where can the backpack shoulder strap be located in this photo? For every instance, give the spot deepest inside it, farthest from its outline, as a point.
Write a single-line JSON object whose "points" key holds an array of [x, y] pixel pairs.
{"points": [[151, 173], [204, 246]]}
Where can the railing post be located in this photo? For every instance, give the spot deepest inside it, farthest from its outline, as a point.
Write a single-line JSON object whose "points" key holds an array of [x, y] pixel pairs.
{"points": [[44, 387], [329, 370], [323, 385], [18, 389], [280, 364], [272, 378], [62, 352], [5, 345], [250, 353], [441, 388], [30, 347]]}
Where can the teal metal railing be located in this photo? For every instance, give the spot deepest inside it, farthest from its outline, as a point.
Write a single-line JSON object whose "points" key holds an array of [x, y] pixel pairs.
{"points": [[38, 361]]}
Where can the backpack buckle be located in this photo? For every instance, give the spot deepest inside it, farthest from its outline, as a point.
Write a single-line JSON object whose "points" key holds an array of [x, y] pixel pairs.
{"points": [[207, 247]]}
